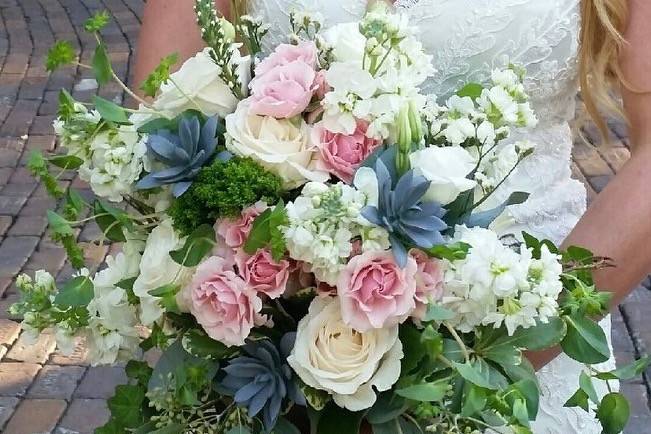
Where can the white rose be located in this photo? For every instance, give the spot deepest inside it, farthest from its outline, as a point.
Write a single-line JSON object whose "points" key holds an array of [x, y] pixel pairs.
{"points": [[282, 146], [346, 41], [330, 356], [446, 168], [199, 80], [157, 268]]}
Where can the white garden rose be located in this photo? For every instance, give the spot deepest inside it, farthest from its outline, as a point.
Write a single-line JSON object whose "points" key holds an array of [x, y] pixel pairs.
{"points": [[157, 268], [446, 168], [199, 85], [330, 356], [282, 146]]}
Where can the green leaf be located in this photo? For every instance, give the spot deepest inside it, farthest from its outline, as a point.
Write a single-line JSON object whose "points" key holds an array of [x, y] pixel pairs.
{"points": [[113, 426], [139, 371], [452, 351], [66, 105], [452, 252], [97, 22], [585, 383], [474, 400], [613, 413], [239, 430], [397, 426], [283, 426], [76, 292], [475, 375], [74, 204], [432, 341], [426, 392], [199, 344], [174, 428], [520, 412], [473, 90], [504, 354], [110, 111], [60, 54], [159, 75], [585, 340], [438, 313], [531, 393], [540, 337], [336, 420], [389, 406], [58, 225], [579, 399], [112, 221], [627, 372], [68, 162], [266, 232], [102, 65], [126, 404], [413, 348], [197, 245], [167, 294]]}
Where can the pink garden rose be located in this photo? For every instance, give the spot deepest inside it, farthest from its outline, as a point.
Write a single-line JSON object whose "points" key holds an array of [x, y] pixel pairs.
{"points": [[235, 231], [341, 154], [283, 92], [429, 282], [305, 52], [262, 273], [375, 292], [223, 304], [321, 84]]}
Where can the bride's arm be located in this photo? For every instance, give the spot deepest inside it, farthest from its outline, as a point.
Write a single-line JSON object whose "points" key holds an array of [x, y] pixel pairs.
{"points": [[618, 223], [168, 26]]}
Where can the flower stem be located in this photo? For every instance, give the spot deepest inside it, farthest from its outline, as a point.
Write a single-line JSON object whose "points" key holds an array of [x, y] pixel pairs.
{"points": [[457, 338]]}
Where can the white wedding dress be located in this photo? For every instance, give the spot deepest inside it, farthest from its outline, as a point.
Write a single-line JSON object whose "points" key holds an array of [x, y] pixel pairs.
{"points": [[467, 39]]}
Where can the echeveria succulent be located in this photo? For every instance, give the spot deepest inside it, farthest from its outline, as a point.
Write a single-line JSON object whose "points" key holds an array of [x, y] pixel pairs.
{"points": [[182, 154], [402, 212], [262, 379]]}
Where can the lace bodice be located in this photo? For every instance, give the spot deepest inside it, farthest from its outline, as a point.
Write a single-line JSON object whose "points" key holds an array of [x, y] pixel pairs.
{"points": [[467, 39]]}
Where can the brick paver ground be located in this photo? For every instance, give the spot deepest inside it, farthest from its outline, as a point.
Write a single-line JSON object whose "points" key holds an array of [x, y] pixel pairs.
{"points": [[42, 391]]}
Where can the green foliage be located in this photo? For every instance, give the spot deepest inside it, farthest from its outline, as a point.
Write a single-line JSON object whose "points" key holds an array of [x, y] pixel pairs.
{"points": [[102, 64], [451, 252], [62, 232], [37, 166], [336, 420], [585, 340], [197, 245], [112, 221], [426, 392], [66, 105], [224, 189], [473, 90], [199, 344], [266, 232], [438, 313], [627, 372], [66, 162], [76, 292], [167, 294], [97, 22], [138, 371], [159, 75], [110, 111], [126, 405], [613, 413], [60, 54]]}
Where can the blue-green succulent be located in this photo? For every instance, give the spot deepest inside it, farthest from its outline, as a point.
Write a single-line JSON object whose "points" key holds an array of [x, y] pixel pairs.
{"points": [[182, 155]]}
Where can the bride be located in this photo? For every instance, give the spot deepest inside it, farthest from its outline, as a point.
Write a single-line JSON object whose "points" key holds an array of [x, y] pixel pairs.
{"points": [[561, 43]]}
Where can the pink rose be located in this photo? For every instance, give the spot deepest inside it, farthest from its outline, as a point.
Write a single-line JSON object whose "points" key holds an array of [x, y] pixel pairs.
{"points": [[429, 282], [322, 86], [235, 231], [223, 304], [283, 92], [305, 52], [375, 292], [262, 273], [341, 154]]}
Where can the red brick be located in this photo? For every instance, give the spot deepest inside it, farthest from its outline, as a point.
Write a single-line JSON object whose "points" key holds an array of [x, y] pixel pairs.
{"points": [[11, 205], [24, 190], [14, 252], [15, 378], [24, 350], [36, 416], [78, 356], [9, 331], [28, 225], [100, 382], [84, 415], [46, 258], [7, 407], [56, 382]]}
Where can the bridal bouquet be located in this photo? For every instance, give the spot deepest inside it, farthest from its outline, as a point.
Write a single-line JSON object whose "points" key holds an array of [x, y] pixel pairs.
{"points": [[310, 241]]}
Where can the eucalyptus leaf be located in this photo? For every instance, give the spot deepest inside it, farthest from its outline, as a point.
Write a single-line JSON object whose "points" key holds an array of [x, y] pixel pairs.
{"points": [[539, 337], [78, 291], [585, 340], [102, 64], [197, 245], [426, 392], [110, 111]]}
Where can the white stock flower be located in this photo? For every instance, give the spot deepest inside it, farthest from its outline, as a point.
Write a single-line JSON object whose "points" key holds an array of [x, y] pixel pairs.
{"points": [[112, 335], [157, 268], [117, 160], [499, 105], [330, 356], [282, 146], [347, 42], [446, 168], [200, 87]]}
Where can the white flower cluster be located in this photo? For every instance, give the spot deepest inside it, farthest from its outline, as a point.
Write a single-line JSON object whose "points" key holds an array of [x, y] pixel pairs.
{"points": [[322, 223], [496, 285], [377, 70], [487, 118], [75, 132], [497, 166], [115, 161]]}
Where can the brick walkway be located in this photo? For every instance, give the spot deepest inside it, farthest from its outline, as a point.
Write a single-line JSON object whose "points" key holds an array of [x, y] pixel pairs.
{"points": [[41, 391]]}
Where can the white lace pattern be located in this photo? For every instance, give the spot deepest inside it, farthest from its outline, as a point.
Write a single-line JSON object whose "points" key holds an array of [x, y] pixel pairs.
{"points": [[467, 39]]}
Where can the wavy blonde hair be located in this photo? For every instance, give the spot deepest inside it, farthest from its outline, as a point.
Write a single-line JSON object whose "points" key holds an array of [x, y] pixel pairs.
{"points": [[603, 23]]}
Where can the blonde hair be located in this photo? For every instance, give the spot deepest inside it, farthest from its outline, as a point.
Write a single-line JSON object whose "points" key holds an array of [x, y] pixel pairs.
{"points": [[603, 23]]}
